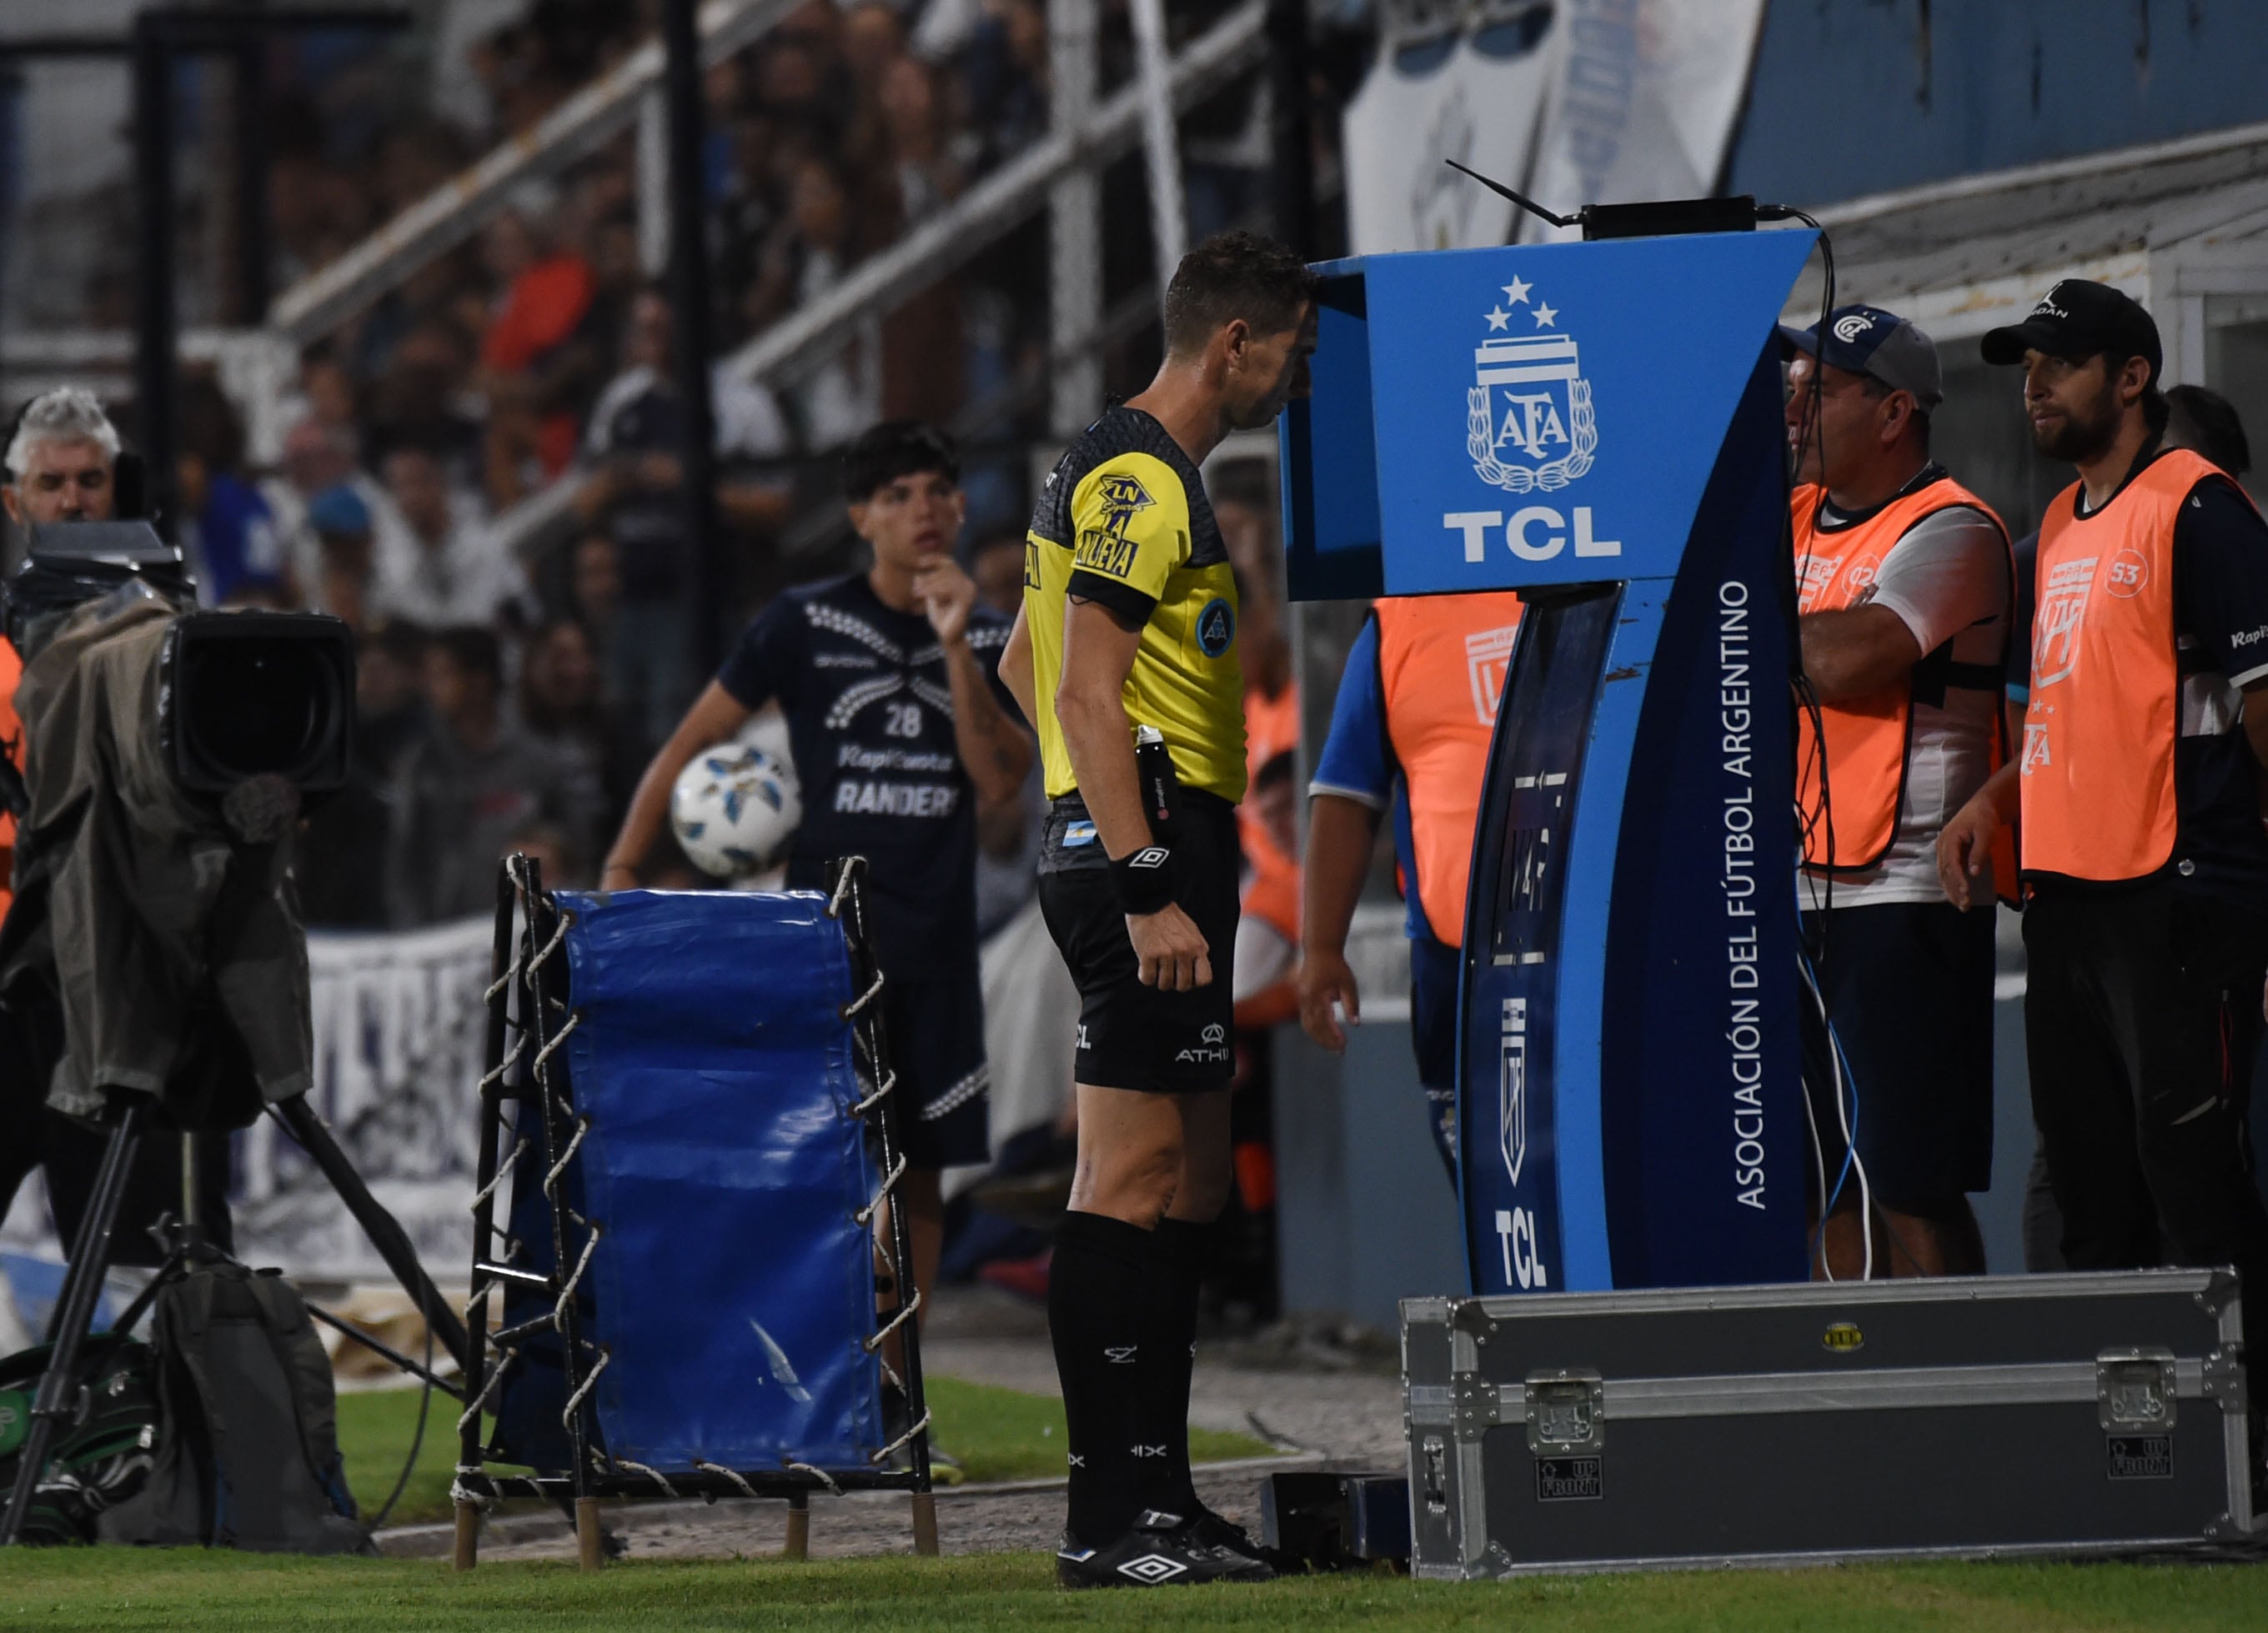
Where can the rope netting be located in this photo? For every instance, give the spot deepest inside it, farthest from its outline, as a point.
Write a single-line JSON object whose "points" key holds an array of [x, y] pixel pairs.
{"points": [[536, 1023]]}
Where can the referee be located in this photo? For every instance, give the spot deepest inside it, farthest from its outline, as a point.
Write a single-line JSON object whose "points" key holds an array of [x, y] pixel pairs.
{"points": [[1129, 622]]}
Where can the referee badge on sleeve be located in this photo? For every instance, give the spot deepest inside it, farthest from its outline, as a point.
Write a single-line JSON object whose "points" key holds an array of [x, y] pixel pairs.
{"points": [[1216, 627]]}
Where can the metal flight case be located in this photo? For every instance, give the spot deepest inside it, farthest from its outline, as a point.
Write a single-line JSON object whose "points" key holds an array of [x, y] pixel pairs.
{"points": [[2042, 1415]]}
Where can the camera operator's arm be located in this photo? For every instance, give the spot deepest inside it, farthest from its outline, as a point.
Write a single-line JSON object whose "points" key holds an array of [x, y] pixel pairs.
{"points": [[715, 715]]}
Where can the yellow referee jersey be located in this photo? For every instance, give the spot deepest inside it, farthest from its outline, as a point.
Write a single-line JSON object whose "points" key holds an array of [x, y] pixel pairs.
{"points": [[1124, 521]]}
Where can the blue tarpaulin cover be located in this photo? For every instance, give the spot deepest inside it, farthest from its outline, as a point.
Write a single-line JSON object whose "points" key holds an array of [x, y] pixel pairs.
{"points": [[724, 1164]]}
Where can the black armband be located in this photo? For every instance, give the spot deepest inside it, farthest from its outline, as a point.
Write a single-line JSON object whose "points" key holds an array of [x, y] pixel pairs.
{"points": [[1145, 880]]}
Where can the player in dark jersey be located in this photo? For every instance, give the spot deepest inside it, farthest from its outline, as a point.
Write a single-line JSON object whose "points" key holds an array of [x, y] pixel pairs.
{"points": [[1129, 622], [898, 730]]}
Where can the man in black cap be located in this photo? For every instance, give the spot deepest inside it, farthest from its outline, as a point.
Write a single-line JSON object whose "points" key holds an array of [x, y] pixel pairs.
{"points": [[1903, 579], [2144, 860], [2199, 419]]}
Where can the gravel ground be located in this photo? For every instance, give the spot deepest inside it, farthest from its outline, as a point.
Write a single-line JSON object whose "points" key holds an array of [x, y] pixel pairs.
{"points": [[1340, 1418]]}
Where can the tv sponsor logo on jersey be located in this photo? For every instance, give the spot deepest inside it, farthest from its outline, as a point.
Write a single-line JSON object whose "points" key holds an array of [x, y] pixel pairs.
{"points": [[1123, 496], [1107, 549], [1100, 551]]}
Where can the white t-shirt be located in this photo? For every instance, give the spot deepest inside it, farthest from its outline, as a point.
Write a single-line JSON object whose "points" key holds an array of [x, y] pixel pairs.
{"points": [[1948, 579], [749, 423], [464, 577]]}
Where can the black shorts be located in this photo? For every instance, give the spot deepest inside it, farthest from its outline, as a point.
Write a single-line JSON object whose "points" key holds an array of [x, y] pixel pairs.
{"points": [[1910, 987], [934, 1028], [1132, 1036]]}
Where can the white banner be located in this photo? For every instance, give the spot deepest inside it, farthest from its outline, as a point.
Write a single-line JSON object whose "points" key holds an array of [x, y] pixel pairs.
{"points": [[1577, 102], [399, 1031], [1456, 80], [1643, 103]]}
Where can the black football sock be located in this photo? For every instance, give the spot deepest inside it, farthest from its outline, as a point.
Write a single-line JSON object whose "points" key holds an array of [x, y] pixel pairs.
{"points": [[1178, 1249], [1098, 1296]]}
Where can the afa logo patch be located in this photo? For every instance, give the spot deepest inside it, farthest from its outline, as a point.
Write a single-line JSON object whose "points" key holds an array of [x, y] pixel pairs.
{"points": [[1123, 498], [1529, 422], [1216, 627]]}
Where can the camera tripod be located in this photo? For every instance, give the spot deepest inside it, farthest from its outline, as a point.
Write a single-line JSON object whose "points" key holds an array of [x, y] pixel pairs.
{"points": [[57, 1399]]}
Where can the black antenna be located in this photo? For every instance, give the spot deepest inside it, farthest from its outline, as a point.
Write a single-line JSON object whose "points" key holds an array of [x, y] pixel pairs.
{"points": [[1520, 199], [1653, 218]]}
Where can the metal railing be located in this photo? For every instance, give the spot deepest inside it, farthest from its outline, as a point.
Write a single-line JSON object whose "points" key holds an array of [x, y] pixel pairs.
{"points": [[460, 207], [1075, 151], [817, 331], [255, 367]]}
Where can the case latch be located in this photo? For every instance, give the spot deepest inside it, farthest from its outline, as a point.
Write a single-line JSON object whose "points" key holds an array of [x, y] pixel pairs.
{"points": [[2134, 1389], [1566, 1412], [1436, 1471]]}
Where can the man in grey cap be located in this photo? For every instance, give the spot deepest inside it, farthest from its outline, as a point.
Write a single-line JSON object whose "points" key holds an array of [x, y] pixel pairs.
{"points": [[1904, 583]]}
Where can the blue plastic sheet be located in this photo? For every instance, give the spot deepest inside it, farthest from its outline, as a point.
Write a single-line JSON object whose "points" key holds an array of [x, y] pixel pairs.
{"points": [[731, 1283]]}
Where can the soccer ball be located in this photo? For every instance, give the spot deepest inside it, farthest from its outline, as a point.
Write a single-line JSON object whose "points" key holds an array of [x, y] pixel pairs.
{"points": [[734, 808]]}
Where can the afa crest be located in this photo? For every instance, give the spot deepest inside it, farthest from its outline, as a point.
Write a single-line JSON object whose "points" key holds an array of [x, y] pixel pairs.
{"points": [[1529, 422], [1122, 498]]}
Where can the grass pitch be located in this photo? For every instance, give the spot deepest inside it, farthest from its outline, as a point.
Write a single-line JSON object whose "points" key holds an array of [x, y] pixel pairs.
{"points": [[997, 1434], [1003, 1435], [192, 1592]]}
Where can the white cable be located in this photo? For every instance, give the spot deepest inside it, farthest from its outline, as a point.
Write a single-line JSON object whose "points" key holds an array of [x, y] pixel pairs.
{"points": [[1819, 1173], [1858, 1163], [1843, 1115], [1811, 1122]]}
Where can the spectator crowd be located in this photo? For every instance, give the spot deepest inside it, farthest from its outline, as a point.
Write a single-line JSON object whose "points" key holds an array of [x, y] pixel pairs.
{"points": [[512, 687]]}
